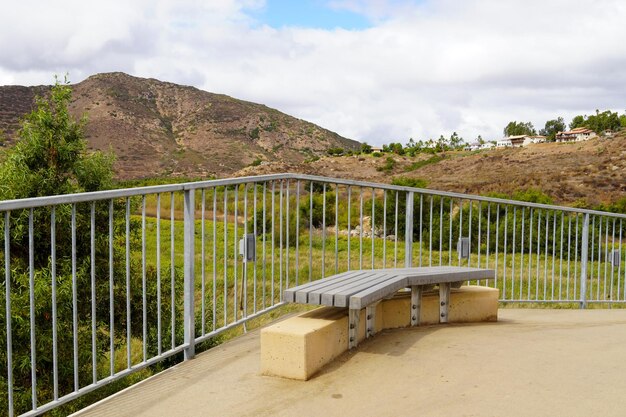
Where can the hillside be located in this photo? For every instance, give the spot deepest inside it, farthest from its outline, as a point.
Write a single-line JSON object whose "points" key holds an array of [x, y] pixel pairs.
{"points": [[157, 128], [571, 173]]}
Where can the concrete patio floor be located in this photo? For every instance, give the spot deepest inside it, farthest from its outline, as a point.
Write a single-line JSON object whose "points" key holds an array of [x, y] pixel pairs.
{"points": [[531, 362]]}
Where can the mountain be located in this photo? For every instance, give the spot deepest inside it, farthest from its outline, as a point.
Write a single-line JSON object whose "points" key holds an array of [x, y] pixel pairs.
{"points": [[158, 128], [575, 173]]}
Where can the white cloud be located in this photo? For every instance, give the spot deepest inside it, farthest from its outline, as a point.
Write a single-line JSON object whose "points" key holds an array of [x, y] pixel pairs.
{"points": [[423, 69]]}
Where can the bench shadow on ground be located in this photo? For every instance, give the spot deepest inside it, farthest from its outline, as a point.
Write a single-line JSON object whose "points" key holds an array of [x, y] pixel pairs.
{"points": [[396, 342]]}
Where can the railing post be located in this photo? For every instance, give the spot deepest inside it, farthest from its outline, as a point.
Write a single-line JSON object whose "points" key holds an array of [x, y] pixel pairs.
{"points": [[584, 255], [408, 232], [189, 311]]}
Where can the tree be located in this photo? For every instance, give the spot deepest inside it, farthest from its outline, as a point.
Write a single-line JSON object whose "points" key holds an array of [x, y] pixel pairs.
{"points": [[480, 140], [51, 157], [519, 128], [553, 127], [622, 120], [599, 122], [577, 121], [365, 148]]}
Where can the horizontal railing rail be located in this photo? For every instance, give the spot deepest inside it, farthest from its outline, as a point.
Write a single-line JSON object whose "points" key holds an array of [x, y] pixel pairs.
{"points": [[98, 286]]}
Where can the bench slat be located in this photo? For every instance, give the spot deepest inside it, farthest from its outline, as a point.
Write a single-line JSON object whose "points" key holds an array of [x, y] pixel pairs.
{"points": [[342, 298], [315, 296], [291, 294]]}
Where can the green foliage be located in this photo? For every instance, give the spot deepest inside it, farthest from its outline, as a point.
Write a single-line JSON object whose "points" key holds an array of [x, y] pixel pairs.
{"points": [[519, 128], [50, 158], [256, 162], [599, 122], [377, 154], [409, 182], [420, 164], [335, 151], [365, 148], [389, 165], [254, 133], [553, 127], [622, 120]]}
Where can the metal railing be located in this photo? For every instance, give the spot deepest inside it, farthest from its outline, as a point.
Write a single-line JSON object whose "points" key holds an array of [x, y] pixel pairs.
{"points": [[100, 285]]}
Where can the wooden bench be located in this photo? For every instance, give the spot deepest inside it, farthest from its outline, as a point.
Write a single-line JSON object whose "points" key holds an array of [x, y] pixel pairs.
{"points": [[365, 288]]}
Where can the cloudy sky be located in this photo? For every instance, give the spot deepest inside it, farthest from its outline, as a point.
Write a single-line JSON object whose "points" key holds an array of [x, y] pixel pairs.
{"points": [[372, 70]]}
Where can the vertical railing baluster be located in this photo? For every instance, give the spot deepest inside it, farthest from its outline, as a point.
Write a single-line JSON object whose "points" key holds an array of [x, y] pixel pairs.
{"points": [[323, 230], [460, 229], [450, 234], [576, 258], [144, 287], [440, 230], [298, 232], [561, 258], [74, 300], [310, 232], [92, 258], [361, 227], [553, 254], [7, 304], [569, 250], [189, 274], [264, 275], [158, 273], [385, 228], [395, 250], [273, 197], [173, 272], [111, 299], [202, 263], [214, 258], [287, 239], [612, 261], [504, 260], [236, 248], [244, 277], [530, 252], [336, 228], [255, 231], [225, 241], [53, 277], [619, 265], [513, 253], [31, 299], [408, 233], [599, 262], [373, 224], [521, 258], [497, 241], [127, 260], [488, 235], [421, 228], [469, 233], [430, 234], [583, 261], [538, 256], [349, 228], [545, 264]]}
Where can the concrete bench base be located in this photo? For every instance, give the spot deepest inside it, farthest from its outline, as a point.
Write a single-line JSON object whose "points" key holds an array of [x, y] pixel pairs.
{"points": [[300, 346]]}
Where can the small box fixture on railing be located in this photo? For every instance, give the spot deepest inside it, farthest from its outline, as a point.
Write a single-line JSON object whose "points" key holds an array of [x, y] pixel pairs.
{"points": [[247, 247]]}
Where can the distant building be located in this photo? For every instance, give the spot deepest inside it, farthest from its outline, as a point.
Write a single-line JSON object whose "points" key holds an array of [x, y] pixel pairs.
{"points": [[524, 140], [576, 135], [377, 149], [504, 143], [517, 141], [534, 139], [474, 146], [488, 145]]}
